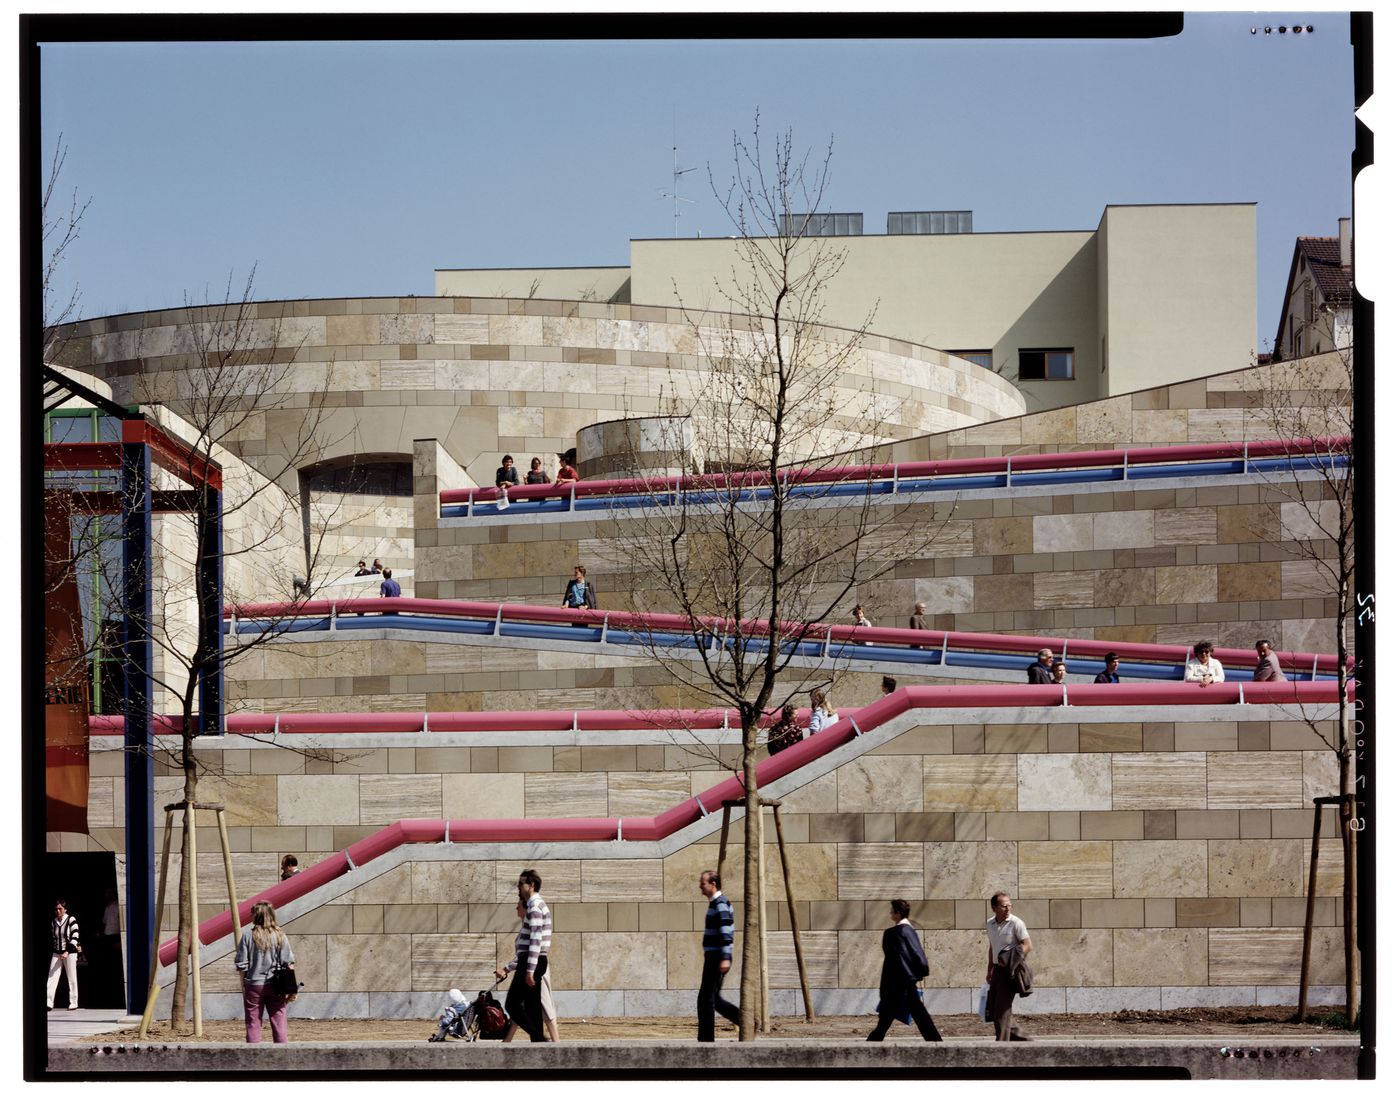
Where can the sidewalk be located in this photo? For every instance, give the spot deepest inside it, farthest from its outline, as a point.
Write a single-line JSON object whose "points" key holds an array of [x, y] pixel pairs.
{"points": [[67, 1027]]}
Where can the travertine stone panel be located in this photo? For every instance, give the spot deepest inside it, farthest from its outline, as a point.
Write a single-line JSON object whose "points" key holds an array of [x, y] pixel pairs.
{"points": [[1237, 523], [880, 784], [970, 783], [645, 794], [1063, 533], [1260, 955], [680, 873], [1300, 521], [483, 796], [1257, 868], [636, 960], [819, 953], [1159, 868], [1185, 527], [1302, 580], [1063, 589], [1186, 584], [1160, 426], [390, 887], [318, 799], [945, 594], [1067, 869], [1065, 781], [453, 883], [621, 880], [1000, 536], [1256, 580], [1071, 957], [1254, 780], [1123, 529], [685, 957], [1159, 780], [1207, 736], [453, 961], [860, 958], [365, 963], [385, 799], [957, 871], [560, 880], [870, 871], [1125, 587], [564, 794], [1319, 775], [249, 800], [956, 959], [811, 869], [1161, 956]]}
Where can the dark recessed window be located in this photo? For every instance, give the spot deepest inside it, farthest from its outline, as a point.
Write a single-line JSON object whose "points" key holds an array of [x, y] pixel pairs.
{"points": [[1047, 363], [981, 357], [366, 479]]}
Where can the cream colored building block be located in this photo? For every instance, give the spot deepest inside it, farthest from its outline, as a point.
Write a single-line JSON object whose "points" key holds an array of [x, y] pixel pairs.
{"points": [[880, 784], [458, 882], [1159, 780], [963, 870], [633, 960], [483, 796], [1066, 869], [453, 961], [970, 783], [1161, 956], [874, 871], [1159, 868], [1257, 868], [1063, 781], [621, 880], [318, 799], [366, 963]]}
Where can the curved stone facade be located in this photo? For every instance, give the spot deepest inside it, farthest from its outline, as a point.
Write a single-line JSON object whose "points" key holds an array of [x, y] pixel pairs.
{"points": [[489, 375]]}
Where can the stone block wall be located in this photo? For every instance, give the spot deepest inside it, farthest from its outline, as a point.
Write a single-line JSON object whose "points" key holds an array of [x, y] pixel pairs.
{"points": [[1157, 863]]}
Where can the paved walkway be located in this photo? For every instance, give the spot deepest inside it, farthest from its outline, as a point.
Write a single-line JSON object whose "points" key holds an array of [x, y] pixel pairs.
{"points": [[66, 1027]]}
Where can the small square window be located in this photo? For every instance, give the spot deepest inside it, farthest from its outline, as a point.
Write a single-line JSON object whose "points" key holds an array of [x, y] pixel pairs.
{"points": [[1050, 364], [982, 357]]}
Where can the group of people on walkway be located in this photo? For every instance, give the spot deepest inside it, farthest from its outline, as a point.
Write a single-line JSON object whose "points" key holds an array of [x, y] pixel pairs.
{"points": [[508, 476], [1201, 667]]}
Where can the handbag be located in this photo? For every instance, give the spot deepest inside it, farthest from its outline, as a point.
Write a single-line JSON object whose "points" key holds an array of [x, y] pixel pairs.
{"points": [[284, 982]]}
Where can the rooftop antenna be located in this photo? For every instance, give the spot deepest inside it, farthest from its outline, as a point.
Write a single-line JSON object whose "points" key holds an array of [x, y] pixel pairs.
{"points": [[674, 193]]}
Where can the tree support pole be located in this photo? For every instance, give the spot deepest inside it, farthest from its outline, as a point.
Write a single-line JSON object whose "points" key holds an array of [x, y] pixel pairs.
{"points": [[792, 914], [764, 1022], [152, 990], [228, 873], [194, 918], [1303, 977]]}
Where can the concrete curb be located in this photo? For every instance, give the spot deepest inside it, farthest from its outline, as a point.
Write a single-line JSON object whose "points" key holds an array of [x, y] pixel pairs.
{"points": [[1278, 1059]]}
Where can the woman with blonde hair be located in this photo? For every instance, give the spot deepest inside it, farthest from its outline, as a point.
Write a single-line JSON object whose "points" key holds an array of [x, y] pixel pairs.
{"points": [[822, 712], [262, 949]]}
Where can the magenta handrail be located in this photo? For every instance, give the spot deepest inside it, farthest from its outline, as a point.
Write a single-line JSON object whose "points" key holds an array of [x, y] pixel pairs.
{"points": [[789, 631], [1016, 463], [691, 809]]}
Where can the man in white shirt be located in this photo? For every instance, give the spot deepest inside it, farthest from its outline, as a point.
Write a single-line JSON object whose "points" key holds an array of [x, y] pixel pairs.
{"points": [[1005, 933]]}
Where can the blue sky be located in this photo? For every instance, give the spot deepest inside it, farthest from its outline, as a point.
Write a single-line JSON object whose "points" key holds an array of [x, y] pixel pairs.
{"points": [[357, 168]]}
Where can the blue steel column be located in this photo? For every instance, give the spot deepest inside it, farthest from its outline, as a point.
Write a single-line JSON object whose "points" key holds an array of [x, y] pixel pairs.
{"points": [[136, 678], [211, 622]]}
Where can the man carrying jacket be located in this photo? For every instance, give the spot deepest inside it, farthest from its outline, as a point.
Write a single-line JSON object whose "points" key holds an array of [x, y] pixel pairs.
{"points": [[1008, 945]]}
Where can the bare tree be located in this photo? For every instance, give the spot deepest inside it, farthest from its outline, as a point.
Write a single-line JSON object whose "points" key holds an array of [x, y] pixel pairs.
{"points": [[62, 223], [1311, 399], [233, 365], [762, 540]]}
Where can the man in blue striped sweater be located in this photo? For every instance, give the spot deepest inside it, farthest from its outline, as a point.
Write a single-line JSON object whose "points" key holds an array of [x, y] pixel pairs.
{"points": [[719, 948], [532, 959]]}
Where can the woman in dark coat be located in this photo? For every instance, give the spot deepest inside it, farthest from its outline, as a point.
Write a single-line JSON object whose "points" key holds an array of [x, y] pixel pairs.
{"points": [[905, 966]]}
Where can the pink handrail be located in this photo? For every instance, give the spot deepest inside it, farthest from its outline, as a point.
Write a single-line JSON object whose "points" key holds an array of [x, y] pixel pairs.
{"points": [[691, 809], [1017, 463], [790, 631]]}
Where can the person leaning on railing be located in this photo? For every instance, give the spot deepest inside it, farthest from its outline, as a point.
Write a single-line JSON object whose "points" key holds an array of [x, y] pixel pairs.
{"points": [[1202, 667], [786, 732]]}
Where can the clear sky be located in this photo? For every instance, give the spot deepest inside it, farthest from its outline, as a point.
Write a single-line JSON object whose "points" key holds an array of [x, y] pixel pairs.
{"points": [[356, 169]]}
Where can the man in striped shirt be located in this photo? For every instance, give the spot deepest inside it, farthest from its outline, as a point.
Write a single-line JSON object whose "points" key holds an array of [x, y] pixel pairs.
{"points": [[66, 949], [718, 945], [532, 959]]}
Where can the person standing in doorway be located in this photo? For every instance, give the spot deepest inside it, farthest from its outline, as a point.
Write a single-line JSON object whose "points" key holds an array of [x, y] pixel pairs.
{"points": [[66, 949], [718, 946], [1008, 946]]}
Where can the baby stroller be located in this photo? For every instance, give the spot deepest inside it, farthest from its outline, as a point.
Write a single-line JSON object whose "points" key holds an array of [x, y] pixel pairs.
{"points": [[469, 1020]]}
